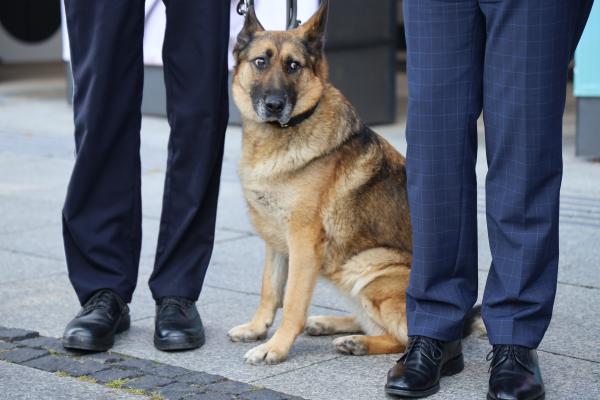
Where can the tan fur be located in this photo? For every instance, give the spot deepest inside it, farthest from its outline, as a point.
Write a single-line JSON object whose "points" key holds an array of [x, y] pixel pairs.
{"points": [[329, 195]]}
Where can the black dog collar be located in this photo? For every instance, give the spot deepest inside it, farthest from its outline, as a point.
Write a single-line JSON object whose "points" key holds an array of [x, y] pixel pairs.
{"points": [[298, 119]]}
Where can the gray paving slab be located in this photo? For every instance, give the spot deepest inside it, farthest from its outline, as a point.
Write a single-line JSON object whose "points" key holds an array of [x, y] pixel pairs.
{"points": [[22, 354], [8, 334], [114, 374], [45, 241], [220, 356], [7, 346], [362, 378], [47, 304], [43, 304], [37, 177], [25, 212], [580, 255], [53, 345], [17, 267], [66, 364], [574, 327], [23, 383]]}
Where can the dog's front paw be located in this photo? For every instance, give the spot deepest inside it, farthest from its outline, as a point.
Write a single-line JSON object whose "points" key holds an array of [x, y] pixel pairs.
{"points": [[353, 345], [266, 353], [247, 333]]}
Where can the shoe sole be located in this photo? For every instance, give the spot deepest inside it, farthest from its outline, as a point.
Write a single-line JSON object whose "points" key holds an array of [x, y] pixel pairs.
{"points": [[542, 397], [92, 344], [451, 367], [179, 344]]}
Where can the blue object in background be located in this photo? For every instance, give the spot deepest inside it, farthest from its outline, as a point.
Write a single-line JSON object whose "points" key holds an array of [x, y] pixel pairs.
{"points": [[587, 88], [587, 58]]}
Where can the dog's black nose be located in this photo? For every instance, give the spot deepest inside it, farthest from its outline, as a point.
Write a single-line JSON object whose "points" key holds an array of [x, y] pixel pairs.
{"points": [[274, 103]]}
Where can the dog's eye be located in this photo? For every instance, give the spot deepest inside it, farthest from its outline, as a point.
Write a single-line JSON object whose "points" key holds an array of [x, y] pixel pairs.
{"points": [[294, 66], [260, 63]]}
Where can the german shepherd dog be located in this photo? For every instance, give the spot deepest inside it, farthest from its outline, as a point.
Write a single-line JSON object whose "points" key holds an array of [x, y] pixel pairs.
{"points": [[326, 193]]}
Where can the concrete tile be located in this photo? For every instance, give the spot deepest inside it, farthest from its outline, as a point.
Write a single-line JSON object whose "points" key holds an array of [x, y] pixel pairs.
{"points": [[68, 365], [147, 383], [574, 327], [113, 374], [43, 304], [230, 387], [23, 383], [220, 356], [151, 368], [22, 354], [5, 346], [8, 334], [47, 304], [35, 177], [17, 267], [42, 242], [177, 391], [25, 212], [579, 255], [363, 378], [53, 345]]}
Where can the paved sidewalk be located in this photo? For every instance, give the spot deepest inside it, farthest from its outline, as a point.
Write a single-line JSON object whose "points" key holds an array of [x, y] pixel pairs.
{"points": [[126, 375], [36, 156]]}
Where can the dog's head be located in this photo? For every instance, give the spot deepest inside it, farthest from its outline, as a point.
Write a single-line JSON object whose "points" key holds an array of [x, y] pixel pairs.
{"points": [[279, 74]]}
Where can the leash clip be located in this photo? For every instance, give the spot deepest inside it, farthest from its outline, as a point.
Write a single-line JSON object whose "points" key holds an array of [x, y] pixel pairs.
{"points": [[292, 14], [243, 7], [291, 11]]}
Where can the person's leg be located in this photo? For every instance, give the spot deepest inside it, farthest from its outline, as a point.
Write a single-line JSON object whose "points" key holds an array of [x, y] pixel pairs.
{"points": [[445, 59], [529, 46], [195, 62], [102, 211], [444, 66]]}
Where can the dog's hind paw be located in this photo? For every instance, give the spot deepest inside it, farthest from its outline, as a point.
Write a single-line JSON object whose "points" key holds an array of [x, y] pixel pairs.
{"points": [[351, 345], [246, 333], [316, 326]]}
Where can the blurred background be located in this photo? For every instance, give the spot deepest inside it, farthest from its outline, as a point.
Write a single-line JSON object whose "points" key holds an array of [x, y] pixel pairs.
{"points": [[366, 51]]}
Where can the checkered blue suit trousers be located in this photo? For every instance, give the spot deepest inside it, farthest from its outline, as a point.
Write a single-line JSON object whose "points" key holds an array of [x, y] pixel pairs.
{"points": [[509, 59]]}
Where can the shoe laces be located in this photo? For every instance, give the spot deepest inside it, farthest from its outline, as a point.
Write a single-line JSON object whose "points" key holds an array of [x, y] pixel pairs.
{"points": [[429, 348], [180, 303], [507, 353], [100, 300]]}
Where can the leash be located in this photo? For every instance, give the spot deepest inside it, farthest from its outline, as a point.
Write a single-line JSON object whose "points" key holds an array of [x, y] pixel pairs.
{"points": [[291, 11]]}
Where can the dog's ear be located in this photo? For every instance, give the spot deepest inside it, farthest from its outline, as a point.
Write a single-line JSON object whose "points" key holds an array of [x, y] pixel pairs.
{"points": [[314, 29], [251, 26]]}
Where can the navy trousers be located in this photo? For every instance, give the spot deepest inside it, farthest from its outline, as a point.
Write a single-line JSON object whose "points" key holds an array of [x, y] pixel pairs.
{"points": [[102, 211], [509, 59]]}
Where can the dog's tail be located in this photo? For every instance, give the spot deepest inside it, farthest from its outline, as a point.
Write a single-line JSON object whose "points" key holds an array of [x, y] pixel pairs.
{"points": [[474, 322]]}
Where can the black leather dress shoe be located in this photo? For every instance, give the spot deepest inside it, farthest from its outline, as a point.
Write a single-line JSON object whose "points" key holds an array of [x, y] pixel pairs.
{"points": [[515, 374], [95, 326], [178, 325], [417, 374]]}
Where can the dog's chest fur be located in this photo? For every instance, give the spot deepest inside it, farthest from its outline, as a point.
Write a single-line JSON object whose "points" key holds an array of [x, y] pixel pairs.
{"points": [[273, 200]]}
